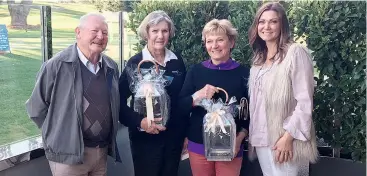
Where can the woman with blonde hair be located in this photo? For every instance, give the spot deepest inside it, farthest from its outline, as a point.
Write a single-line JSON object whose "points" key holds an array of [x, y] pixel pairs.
{"points": [[202, 81], [281, 90]]}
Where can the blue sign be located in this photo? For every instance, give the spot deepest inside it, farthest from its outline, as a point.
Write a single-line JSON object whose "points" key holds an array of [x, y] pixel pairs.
{"points": [[4, 41]]}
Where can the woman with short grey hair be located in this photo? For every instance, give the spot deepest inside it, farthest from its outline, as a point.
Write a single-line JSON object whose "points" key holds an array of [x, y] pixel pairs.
{"points": [[153, 19], [156, 150]]}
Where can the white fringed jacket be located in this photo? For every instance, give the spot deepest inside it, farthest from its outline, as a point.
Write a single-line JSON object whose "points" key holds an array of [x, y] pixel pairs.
{"points": [[283, 101]]}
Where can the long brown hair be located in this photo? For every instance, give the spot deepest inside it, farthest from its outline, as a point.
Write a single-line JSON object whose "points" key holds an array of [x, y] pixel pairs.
{"points": [[258, 45]]}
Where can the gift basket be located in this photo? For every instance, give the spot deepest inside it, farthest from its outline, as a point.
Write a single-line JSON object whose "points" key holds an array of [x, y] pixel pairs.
{"points": [[150, 96], [219, 128]]}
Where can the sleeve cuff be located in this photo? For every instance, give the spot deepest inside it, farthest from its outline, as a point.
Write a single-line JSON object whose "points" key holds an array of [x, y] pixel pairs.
{"points": [[138, 120], [195, 100], [294, 132]]}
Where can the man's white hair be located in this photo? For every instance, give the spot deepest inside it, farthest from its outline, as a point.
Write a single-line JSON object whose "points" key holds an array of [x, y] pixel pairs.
{"points": [[85, 17]]}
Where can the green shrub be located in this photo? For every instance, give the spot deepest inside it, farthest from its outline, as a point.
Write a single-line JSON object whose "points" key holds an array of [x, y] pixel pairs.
{"points": [[336, 32], [241, 15], [189, 20]]}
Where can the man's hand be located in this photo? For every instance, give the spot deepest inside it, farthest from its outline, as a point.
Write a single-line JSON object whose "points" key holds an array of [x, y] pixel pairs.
{"points": [[154, 128]]}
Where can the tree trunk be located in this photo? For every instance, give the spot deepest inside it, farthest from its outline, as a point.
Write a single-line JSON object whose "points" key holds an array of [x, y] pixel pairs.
{"points": [[19, 13]]}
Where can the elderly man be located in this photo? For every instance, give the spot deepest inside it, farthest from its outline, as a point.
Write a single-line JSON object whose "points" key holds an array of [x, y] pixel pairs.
{"points": [[76, 103]]}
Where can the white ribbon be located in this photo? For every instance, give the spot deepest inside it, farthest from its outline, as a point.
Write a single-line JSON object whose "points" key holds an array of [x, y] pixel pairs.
{"points": [[215, 118], [148, 92]]}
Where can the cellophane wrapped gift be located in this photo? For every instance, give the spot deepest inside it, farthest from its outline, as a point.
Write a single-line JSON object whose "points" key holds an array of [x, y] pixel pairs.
{"points": [[150, 96], [219, 129]]}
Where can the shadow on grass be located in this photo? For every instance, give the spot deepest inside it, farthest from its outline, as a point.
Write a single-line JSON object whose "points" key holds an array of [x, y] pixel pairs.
{"points": [[60, 9], [4, 12], [56, 33], [67, 12], [2, 15], [27, 57]]}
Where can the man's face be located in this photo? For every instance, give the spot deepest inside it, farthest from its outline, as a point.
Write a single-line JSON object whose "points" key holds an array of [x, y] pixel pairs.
{"points": [[92, 37]]}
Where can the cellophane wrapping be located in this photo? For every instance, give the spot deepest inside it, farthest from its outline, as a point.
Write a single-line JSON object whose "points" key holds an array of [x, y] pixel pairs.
{"points": [[149, 84], [219, 129]]}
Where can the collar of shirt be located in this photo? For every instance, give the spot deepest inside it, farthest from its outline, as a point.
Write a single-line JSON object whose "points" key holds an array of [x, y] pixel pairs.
{"points": [[88, 64], [228, 65], [169, 55]]}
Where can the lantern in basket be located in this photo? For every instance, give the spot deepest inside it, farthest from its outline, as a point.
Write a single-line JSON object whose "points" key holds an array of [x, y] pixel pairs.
{"points": [[150, 98], [219, 130]]}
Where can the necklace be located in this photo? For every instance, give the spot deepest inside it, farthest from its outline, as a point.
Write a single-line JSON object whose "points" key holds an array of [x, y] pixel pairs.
{"points": [[258, 76]]}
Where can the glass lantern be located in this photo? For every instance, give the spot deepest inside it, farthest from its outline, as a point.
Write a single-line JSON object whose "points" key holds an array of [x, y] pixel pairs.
{"points": [[150, 98], [219, 130]]}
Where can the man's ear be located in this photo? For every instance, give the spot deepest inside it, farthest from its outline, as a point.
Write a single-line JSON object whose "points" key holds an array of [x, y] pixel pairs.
{"points": [[77, 32]]}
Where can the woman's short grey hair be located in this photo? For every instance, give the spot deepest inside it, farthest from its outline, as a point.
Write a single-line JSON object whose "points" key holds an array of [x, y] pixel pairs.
{"points": [[152, 19], [85, 17]]}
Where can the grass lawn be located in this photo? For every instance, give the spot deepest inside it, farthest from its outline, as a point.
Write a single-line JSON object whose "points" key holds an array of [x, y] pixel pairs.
{"points": [[19, 68]]}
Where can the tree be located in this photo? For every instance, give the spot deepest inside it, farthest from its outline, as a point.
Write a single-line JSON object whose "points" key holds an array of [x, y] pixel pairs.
{"points": [[19, 13], [113, 5]]}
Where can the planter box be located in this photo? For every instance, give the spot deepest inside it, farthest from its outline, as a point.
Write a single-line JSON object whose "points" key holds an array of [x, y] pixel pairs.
{"points": [[344, 166], [337, 167]]}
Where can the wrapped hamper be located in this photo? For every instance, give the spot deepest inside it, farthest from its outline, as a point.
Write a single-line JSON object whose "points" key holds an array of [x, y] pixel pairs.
{"points": [[150, 96], [219, 129]]}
